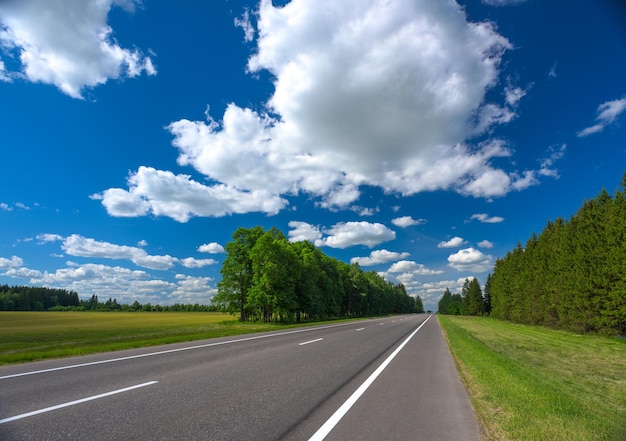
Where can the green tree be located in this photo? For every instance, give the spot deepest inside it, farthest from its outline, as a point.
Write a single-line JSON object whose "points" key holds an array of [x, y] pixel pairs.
{"points": [[237, 272]]}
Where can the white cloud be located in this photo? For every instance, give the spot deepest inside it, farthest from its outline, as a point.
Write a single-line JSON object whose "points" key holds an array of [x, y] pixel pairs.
{"points": [[68, 43], [379, 256], [452, 243], [191, 262], [483, 217], [407, 221], [344, 235], [485, 244], [211, 248], [47, 237], [245, 24], [13, 262], [470, 260], [76, 245], [178, 196], [607, 114], [5, 207], [408, 266], [547, 163], [301, 231], [341, 235], [513, 95]]}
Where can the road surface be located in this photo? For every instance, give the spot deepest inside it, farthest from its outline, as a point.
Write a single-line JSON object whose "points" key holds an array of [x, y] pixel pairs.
{"points": [[382, 379]]}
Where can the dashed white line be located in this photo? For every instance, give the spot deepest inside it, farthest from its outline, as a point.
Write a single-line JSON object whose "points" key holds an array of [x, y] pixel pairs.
{"points": [[72, 403], [360, 329], [330, 424], [310, 341]]}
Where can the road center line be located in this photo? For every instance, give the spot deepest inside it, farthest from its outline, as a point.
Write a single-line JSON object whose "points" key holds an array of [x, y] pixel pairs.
{"points": [[360, 329], [330, 424], [72, 403], [310, 341]]}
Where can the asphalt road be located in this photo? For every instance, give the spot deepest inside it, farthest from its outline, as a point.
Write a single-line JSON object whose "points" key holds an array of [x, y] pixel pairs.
{"points": [[383, 379]]}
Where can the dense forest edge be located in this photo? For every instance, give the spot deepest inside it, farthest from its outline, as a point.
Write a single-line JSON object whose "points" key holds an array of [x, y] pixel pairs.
{"points": [[266, 278], [572, 276]]}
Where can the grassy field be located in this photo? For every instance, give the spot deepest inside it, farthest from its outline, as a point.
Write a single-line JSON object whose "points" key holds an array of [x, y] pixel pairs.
{"points": [[532, 383], [30, 336]]}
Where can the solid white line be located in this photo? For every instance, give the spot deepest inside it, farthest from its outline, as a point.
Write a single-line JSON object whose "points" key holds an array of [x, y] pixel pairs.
{"points": [[72, 403], [310, 341], [169, 351], [330, 424]]}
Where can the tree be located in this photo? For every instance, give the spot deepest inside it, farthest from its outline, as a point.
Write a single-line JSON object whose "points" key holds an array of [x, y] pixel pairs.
{"points": [[237, 272]]}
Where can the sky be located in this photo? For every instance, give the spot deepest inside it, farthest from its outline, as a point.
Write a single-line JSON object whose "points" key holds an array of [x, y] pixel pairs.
{"points": [[421, 139]]}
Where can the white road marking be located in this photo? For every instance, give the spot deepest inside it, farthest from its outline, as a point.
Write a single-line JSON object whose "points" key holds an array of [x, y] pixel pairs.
{"points": [[310, 341], [72, 403], [330, 424], [380, 324], [170, 351], [360, 329]]}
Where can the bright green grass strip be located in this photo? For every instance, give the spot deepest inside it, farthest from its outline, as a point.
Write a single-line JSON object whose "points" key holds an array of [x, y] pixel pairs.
{"points": [[30, 336], [532, 383]]}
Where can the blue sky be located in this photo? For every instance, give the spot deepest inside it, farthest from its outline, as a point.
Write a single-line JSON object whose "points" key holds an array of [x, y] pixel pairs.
{"points": [[422, 139]]}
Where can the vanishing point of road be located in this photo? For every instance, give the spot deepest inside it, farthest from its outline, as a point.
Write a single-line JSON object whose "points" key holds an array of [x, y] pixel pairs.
{"points": [[371, 380]]}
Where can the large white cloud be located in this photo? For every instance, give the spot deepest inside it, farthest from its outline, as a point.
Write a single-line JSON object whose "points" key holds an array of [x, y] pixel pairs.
{"points": [[368, 92], [178, 196], [67, 43]]}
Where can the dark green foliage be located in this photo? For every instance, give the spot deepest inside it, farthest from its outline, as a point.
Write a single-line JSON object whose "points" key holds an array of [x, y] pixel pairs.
{"points": [[573, 275], [27, 298], [469, 302], [267, 278]]}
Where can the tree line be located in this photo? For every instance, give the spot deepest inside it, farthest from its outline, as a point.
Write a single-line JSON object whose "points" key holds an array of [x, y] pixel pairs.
{"points": [[267, 278], [571, 276], [471, 301], [28, 298]]}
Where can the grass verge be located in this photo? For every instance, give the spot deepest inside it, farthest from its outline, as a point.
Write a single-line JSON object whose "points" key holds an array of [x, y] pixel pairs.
{"points": [[533, 383], [31, 336]]}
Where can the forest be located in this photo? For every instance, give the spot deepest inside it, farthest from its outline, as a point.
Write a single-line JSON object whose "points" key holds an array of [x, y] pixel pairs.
{"points": [[471, 301], [267, 278], [572, 275]]}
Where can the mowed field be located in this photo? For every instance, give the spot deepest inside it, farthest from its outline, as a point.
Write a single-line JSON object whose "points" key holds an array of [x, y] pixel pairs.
{"points": [[30, 336], [533, 383]]}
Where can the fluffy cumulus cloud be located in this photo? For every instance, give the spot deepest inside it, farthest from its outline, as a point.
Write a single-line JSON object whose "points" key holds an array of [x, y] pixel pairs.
{"points": [[369, 92], [607, 114], [67, 43], [377, 257], [407, 221], [455, 242], [470, 260], [211, 248], [341, 235], [163, 193]]}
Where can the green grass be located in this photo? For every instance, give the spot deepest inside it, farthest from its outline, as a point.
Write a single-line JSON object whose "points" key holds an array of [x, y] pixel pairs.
{"points": [[533, 383], [30, 336]]}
